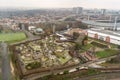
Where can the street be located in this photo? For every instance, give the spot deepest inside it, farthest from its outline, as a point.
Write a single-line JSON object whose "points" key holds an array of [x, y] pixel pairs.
{"points": [[104, 76], [5, 62]]}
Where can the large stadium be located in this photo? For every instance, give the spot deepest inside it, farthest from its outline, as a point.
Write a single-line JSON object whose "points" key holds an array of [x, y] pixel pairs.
{"points": [[109, 32]]}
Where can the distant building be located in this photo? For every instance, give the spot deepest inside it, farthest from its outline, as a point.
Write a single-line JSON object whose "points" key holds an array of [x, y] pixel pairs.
{"points": [[103, 24], [78, 10], [77, 30], [103, 11], [31, 28], [36, 31], [39, 30], [15, 27]]}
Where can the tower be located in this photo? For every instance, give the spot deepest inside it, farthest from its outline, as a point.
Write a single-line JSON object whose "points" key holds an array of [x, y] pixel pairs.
{"points": [[103, 11], [115, 24], [22, 26], [68, 26], [54, 28], [88, 18]]}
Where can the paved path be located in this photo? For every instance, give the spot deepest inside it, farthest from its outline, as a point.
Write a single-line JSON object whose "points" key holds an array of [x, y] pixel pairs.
{"points": [[5, 62], [104, 76], [30, 35]]}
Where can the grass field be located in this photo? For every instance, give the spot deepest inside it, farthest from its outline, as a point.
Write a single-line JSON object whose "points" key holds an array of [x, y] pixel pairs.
{"points": [[12, 37], [107, 53], [87, 47]]}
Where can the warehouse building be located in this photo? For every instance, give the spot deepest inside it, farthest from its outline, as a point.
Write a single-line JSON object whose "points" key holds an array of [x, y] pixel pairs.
{"points": [[105, 35]]}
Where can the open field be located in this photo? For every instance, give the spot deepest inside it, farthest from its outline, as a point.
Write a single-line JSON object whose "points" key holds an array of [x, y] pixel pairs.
{"points": [[12, 37], [107, 53]]}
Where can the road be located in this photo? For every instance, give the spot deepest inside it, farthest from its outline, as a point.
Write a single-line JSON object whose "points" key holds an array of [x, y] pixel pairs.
{"points": [[30, 35], [5, 62], [104, 76]]}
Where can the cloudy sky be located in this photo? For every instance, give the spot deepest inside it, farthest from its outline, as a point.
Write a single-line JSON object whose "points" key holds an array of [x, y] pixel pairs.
{"points": [[109, 4]]}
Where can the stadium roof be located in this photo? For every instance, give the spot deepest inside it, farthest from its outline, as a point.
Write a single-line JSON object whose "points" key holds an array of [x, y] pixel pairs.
{"points": [[112, 34], [95, 23]]}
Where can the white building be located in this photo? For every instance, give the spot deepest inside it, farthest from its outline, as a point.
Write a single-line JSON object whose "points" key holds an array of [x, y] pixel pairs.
{"points": [[103, 31], [105, 35], [31, 28]]}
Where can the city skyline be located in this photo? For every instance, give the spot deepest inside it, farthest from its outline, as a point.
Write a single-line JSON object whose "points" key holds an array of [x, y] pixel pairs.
{"points": [[108, 4]]}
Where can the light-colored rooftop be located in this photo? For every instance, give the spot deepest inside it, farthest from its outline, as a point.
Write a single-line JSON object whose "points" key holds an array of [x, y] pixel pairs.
{"points": [[39, 30], [95, 23], [112, 34]]}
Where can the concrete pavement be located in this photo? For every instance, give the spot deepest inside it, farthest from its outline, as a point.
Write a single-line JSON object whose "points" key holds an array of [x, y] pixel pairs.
{"points": [[5, 62], [103, 76]]}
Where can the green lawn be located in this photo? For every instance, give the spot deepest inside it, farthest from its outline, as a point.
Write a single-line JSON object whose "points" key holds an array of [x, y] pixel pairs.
{"points": [[107, 53], [12, 37], [65, 59], [87, 47]]}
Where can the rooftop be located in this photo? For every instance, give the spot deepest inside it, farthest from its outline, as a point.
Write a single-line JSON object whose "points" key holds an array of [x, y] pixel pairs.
{"points": [[112, 34], [39, 30], [95, 23]]}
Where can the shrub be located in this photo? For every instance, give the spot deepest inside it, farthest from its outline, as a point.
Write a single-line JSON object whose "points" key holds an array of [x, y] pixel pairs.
{"points": [[33, 65]]}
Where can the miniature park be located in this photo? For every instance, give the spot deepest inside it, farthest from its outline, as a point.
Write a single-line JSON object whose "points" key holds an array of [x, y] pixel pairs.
{"points": [[56, 53], [51, 53], [55, 45]]}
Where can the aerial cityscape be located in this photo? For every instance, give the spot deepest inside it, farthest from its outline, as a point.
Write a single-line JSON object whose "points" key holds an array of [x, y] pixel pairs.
{"points": [[59, 40]]}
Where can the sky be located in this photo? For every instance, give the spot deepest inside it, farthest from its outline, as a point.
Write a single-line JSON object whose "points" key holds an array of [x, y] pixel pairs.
{"points": [[108, 4]]}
